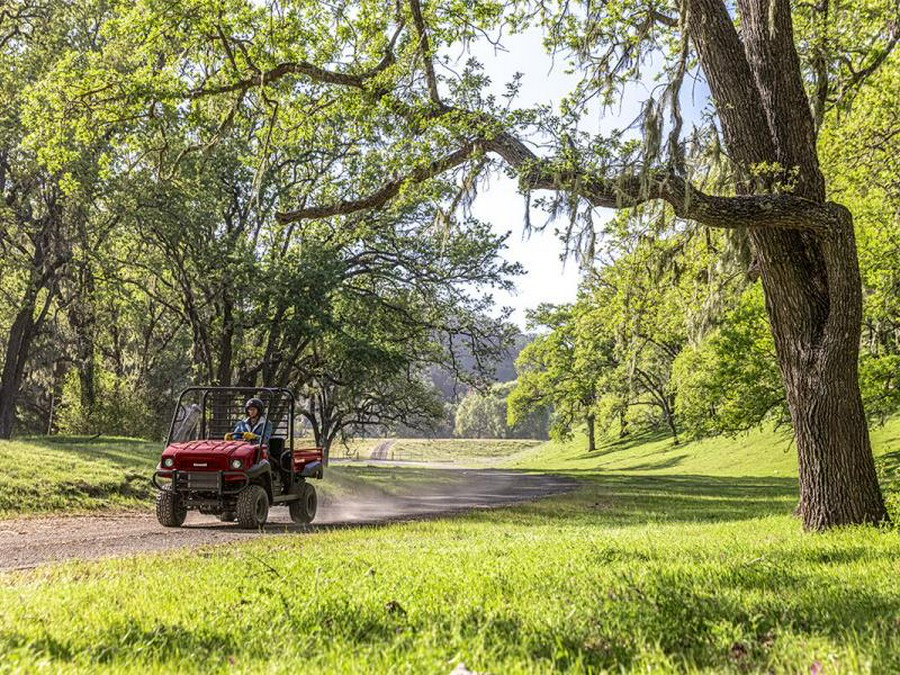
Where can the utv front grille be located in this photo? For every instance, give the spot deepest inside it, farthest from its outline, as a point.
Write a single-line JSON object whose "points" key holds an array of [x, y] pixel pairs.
{"points": [[198, 481], [218, 482]]}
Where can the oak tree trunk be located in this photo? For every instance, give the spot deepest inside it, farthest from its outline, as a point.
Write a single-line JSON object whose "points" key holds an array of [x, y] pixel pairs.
{"points": [[18, 345], [814, 302], [591, 433], [810, 274]]}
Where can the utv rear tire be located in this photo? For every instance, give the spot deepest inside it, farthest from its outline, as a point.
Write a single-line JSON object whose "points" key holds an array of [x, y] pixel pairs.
{"points": [[170, 511], [252, 507], [304, 509]]}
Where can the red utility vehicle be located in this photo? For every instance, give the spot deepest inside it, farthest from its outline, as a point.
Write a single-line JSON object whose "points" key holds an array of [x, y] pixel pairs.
{"points": [[234, 479]]}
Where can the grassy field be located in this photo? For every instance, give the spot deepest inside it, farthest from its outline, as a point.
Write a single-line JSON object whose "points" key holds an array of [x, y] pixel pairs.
{"points": [[53, 474], [765, 453], [694, 565], [462, 451]]}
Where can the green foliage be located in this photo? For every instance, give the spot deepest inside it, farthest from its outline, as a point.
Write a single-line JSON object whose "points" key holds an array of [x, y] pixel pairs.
{"points": [[484, 415], [730, 382], [165, 156], [549, 376], [860, 148], [180, 272], [116, 411]]}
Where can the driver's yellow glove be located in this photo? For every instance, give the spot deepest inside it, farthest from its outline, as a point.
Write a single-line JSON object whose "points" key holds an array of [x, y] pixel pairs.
{"points": [[250, 436], [229, 436]]}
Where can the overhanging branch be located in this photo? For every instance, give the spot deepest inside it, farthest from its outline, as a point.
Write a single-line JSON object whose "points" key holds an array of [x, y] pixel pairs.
{"points": [[625, 190], [383, 194]]}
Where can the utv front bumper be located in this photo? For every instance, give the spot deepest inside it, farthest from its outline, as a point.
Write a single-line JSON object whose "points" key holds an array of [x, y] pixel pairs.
{"points": [[203, 488]]}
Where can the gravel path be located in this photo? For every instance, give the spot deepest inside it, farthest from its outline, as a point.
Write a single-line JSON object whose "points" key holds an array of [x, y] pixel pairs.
{"points": [[380, 452], [29, 542]]}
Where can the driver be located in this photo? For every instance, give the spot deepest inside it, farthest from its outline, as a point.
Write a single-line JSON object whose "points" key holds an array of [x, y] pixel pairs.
{"points": [[254, 425]]}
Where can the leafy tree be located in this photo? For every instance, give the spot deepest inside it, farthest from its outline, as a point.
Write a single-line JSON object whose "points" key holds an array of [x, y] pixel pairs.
{"points": [[484, 415], [552, 376], [49, 203], [730, 382]]}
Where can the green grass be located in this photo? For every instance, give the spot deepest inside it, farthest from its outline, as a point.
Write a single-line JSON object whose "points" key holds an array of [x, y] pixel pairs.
{"points": [[687, 566], [630, 572], [461, 451], [52, 474], [756, 453]]}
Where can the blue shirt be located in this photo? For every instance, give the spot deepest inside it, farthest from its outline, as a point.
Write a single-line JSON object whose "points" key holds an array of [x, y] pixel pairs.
{"points": [[262, 428]]}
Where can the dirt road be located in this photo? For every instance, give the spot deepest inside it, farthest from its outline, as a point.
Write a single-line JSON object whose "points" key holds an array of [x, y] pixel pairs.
{"points": [[380, 452], [29, 542]]}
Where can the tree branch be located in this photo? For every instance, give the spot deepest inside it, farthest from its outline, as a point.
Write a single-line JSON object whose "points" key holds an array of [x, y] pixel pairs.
{"points": [[858, 77], [310, 70], [385, 193], [416, 9], [621, 191]]}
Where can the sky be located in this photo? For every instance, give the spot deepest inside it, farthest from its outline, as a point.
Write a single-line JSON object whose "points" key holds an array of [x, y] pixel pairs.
{"points": [[547, 277]]}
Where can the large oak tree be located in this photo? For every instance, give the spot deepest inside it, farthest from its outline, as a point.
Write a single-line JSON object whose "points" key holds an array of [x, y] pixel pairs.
{"points": [[803, 243]]}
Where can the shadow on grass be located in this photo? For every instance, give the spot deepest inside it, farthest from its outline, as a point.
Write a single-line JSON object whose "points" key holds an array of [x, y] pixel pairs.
{"points": [[889, 466], [625, 499], [667, 463], [127, 453], [611, 446]]}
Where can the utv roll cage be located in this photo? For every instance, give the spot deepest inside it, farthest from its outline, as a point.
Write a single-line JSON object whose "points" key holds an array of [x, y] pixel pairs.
{"points": [[212, 412]]}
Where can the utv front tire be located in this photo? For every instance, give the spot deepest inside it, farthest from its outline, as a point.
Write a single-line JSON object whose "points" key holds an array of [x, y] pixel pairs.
{"points": [[252, 507], [170, 511], [304, 509]]}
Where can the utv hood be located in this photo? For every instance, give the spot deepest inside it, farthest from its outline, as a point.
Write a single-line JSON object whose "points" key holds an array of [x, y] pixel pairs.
{"points": [[209, 455]]}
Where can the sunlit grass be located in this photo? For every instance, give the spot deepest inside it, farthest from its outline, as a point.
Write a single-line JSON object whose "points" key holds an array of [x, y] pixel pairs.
{"points": [[53, 474], [631, 572], [765, 452], [688, 566]]}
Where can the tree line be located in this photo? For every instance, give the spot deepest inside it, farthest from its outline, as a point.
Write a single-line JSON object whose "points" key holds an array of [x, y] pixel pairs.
{"points": [[144, 253]]}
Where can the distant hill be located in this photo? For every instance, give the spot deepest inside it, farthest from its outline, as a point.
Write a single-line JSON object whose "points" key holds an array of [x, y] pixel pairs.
{"points": [[504, 370]]}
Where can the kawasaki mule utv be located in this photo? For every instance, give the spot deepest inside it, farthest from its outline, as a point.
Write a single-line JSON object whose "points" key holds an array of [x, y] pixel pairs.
{"points": [[211, 466]]}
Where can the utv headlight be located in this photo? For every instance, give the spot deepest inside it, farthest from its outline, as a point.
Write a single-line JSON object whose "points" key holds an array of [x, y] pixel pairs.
{"points": [[168, 462], [236, 464]]}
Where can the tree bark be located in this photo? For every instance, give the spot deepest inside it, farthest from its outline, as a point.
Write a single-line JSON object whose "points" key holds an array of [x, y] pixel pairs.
{"points": [[18, 346], [815, 310], [591, 433], [226, 343], [82, 318], [668, 402], [623, 422]]}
